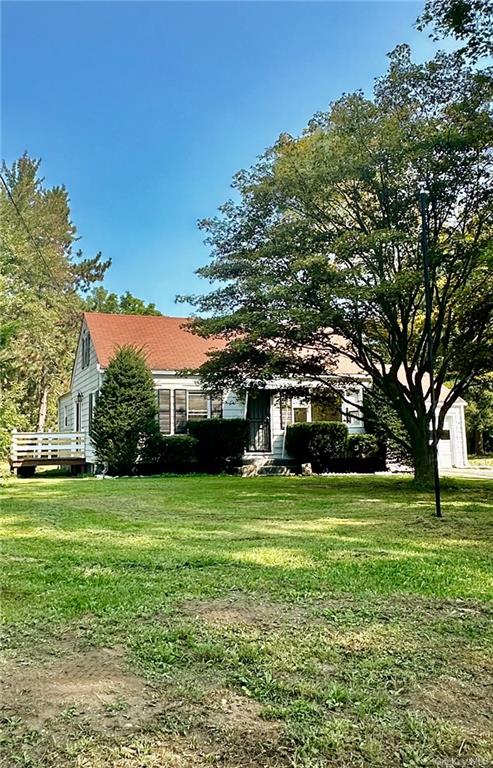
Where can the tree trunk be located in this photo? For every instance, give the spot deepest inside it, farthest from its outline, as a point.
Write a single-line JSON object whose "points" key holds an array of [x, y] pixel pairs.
{"points": [[423, 460], [43, 409], [478, 442]]}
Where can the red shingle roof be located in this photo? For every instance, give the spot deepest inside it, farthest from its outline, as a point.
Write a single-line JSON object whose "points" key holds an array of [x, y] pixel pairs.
{"points": [[167, 344]]}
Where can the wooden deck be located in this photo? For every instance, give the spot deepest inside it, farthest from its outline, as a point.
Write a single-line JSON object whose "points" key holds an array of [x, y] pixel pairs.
{"points": [[30, 449]]}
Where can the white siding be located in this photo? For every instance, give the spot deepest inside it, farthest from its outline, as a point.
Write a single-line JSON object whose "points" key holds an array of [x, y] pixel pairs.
{"points": [[453, 452], [351, 411], [233, 406], [85, 381], [65, 413]]}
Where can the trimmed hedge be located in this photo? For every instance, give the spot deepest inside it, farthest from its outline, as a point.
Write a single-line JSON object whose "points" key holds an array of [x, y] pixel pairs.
{"points": [[319, 442], [221, 442], [362, 446], [327, 446], [170, 453]]}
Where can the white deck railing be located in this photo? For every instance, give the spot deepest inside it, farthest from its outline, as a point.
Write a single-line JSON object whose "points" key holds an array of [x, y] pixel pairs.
{"points": [[46, 447]]}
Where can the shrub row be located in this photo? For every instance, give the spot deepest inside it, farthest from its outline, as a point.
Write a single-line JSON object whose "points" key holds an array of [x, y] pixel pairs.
{"points": [[220, 442], [327, 446], [212, 445]]}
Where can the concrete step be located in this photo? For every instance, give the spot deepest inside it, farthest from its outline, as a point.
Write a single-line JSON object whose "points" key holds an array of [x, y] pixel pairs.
{"points": [[273, 469], [255, 470]]}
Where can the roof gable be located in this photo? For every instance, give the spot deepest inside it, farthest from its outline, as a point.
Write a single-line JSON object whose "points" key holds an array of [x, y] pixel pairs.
{"points": [[165, 341]]}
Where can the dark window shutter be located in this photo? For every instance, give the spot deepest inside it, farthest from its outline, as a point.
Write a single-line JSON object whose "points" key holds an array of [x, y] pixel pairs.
{"points": [[217, 407], [180, 411], [285, 404], [91, 405], [164, 410]]}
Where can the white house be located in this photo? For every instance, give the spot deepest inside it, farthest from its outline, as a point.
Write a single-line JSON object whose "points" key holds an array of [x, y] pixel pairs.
{"points": [[170, 348]]}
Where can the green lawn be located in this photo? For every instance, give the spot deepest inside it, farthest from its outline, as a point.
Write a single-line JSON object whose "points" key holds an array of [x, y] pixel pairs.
{"points": [[219, 621]]}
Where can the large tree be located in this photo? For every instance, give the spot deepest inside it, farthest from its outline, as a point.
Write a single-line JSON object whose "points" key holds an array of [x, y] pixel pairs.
{"points": [[324, 239], [42, 274]]}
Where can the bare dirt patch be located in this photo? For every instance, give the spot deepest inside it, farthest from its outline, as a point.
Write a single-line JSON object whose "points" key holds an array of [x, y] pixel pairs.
{"points": [[465, 702], [239, 611], [128, 722], [94, 684]]}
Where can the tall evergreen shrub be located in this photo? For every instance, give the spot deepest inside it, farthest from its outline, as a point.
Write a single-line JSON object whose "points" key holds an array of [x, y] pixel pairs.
{"points": [[124, 417]]}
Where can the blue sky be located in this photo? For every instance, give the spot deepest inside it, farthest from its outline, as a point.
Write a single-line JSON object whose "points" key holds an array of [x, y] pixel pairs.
{"points": [[145, 110]]}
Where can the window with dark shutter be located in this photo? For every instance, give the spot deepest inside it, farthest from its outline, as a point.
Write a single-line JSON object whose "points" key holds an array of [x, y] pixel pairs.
{"points": [[164, 410], [217, 407], [180, 411], [86, 350]]}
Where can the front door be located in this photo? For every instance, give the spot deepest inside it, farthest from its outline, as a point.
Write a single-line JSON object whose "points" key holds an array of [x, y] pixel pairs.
{"points": [[258, 417]]}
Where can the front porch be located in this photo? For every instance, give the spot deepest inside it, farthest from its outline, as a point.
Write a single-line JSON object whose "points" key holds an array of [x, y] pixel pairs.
{"points": [[270, 411]]}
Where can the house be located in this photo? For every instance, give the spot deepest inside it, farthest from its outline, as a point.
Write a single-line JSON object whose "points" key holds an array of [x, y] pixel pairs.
{"points": [[170, 348]]}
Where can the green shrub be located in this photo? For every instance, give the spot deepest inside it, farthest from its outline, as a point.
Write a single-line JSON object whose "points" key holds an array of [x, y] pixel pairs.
{"points": [[125, 414], [169, 453], [318, 442], [382, 420], [221, 442], [362, 446]]}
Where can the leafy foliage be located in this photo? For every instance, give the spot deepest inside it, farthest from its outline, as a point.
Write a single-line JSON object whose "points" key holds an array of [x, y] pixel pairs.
{"points": [[101, 300], [317, 442], [479, 414], [124, 418], [41, 276], [382, 420], [221, 442], [170, 453], [364, 446], [321, 254], [470, 21]]}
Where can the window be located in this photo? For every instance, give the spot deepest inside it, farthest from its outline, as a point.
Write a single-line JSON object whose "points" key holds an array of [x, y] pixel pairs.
{"points": [[65, 416], [198, 405], [300, 414], [86, 350], [180, 396], [164, 410], [327, 409]]}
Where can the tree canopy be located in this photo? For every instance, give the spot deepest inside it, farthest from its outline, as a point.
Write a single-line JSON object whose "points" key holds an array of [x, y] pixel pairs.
{"points": [[101, 300], [42, 273], [44, 282], [469, 21], [324, 239]]}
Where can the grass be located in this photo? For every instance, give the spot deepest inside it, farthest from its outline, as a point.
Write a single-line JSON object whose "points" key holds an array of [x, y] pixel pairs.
{"points": [[198, 621]]}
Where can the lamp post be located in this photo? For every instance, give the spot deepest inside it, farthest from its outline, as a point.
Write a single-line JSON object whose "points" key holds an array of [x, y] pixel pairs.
{"points": [[429, 338]]}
